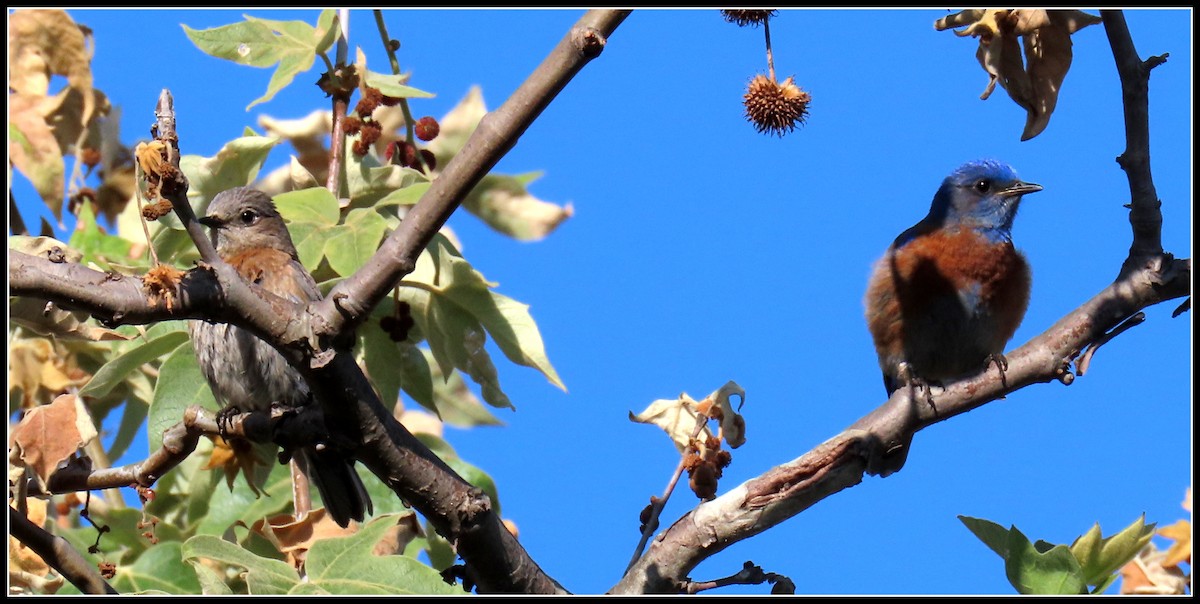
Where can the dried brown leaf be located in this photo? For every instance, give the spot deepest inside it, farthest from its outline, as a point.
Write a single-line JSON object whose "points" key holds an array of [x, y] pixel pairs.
{"points": [[1032, 81], [39, 371], [48, 319], [44, 43], [50, 434], [34, 151]]}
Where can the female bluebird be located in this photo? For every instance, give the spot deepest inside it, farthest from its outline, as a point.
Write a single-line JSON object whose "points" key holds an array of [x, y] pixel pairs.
{"points": [[950, 291], [246, 373]]}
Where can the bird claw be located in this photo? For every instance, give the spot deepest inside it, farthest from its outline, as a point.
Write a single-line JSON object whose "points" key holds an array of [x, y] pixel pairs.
{"points": [[225, 420], [916, 383], [1001, 363]]}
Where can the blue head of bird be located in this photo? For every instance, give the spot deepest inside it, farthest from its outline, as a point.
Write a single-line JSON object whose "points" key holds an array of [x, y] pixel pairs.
{"points": [[982, 195]]}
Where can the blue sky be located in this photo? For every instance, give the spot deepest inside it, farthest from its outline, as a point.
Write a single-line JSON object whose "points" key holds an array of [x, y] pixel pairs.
{"points": [[702, 252]]}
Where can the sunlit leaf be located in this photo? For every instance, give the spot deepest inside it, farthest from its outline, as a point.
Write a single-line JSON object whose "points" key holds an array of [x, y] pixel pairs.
{"points": [[1101, 557], [354, 242], [180, 385], [393, 86], [348, 565], [116, 370], [235, 165], [263, 575], [293, 45], [506, 205], [158, 569], [1053, 571]]}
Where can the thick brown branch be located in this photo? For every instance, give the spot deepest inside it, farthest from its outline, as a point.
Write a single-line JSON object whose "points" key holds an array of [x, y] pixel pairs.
{"points": [[352, 300]]}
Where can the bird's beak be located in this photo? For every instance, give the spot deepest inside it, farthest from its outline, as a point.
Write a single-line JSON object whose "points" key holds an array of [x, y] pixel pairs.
{"points": [[1021, 188], [213, 222]]}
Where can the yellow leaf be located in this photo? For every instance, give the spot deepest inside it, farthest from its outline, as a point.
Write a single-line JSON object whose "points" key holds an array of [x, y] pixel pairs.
{"points": [[1181, 550]]}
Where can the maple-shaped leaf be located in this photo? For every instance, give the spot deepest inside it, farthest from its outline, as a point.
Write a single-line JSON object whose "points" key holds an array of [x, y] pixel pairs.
{"points": [[51, 434], [291, 45]]}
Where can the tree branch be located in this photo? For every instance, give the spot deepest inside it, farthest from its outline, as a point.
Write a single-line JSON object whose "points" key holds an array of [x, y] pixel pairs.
{"points": [[58, 554], [879, 442]]}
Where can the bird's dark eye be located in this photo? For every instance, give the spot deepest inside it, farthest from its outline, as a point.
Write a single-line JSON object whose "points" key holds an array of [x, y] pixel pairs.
{"points": [[983, 185], [248, 216]]}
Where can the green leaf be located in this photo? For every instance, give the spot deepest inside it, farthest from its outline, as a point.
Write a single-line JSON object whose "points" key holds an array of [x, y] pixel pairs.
{"points": [[263, 575], [159, 569], [368, 181], [228, 507], [212, 583], [116, 370], [235, 165], [355, 241], [312, 215], [294, 45], [447, 397], [417, 377], [441, 553], [407, 196], [393, 86], [180, 385], [1054, 571], [508, 321], [347, 565], [991, 534], [1101, 557], [93, 243], [504, 204]]}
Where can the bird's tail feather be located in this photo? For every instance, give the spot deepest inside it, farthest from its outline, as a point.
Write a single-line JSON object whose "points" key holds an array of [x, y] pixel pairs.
{"points": [[341, 489]]}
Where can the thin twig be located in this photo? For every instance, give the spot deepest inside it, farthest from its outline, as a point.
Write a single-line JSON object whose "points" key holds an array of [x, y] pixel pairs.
{"points": [[409, 123], [1085, 359], [751, 574], [770, 59], [657, 504]]}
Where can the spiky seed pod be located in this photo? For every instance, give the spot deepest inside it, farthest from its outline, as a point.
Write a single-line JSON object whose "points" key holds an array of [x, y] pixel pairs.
{"points": [[747, 17], [427, 128], [369, 101], [773, 107]]}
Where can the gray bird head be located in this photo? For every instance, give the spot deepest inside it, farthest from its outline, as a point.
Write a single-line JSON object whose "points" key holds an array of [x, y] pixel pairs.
{"points": [[982, 195], [243, 219]]}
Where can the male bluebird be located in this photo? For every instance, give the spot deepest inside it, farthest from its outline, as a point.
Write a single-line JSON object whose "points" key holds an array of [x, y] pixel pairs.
{"points": [[246, 373], [951, 290]]}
